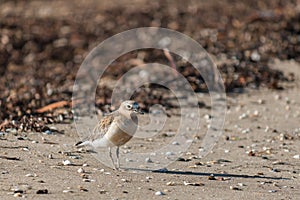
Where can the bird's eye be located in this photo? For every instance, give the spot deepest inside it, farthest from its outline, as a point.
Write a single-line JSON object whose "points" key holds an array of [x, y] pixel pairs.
{"points": [[128, 106]]}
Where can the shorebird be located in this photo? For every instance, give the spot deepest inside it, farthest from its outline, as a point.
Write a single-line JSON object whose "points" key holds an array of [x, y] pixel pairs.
{"points": [[115, 129]]}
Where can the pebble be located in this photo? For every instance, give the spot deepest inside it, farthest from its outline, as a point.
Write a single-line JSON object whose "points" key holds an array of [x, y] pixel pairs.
{"points": [[30, 175], [169, 153], [277, 97], [245, 131], [207, 117], [267, 129], [234, 188], [272, 191], [82, 189], [171, 183], [255, 56], [66, 162], [175, 143], [128, 160], [243, 116], [67, 191], [212, 177], [18, 195], [125, 180], [43, 191], [260, 101], [148, 160], [80, 170], [159, 193], [296, 156], [25, 149], [256, 113], [75, 157]]}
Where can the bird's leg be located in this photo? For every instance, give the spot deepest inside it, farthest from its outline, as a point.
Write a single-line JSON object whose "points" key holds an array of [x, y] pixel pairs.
{"points": [[111, 157], [118, 154]]}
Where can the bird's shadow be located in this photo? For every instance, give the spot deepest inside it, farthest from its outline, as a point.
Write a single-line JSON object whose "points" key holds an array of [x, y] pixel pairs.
{"points": [[190, 173]]}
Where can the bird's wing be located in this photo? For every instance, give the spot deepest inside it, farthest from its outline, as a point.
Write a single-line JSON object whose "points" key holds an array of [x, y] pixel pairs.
{"points": [[102, 127]]}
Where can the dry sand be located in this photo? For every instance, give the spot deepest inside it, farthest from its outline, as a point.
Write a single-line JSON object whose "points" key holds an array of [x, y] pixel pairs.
{"points": [[257, 157]]}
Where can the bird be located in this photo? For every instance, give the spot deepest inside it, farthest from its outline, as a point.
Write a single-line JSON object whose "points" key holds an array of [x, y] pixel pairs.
{"points": [[115, 129]]}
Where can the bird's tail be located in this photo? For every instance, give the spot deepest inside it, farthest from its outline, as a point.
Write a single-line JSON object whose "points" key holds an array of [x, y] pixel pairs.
{"points": [[82, 143]]}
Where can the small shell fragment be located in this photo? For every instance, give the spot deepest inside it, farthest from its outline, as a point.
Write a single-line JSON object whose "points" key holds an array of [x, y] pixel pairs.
{"points": [[159, 193], [193, 184]]}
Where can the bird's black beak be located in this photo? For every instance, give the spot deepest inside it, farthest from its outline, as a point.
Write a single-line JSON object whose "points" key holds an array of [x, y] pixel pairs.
{"points": [[138, 111]]}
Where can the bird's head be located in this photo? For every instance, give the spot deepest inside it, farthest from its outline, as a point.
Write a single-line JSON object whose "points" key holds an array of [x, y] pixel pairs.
{"points": [[130, 107]]}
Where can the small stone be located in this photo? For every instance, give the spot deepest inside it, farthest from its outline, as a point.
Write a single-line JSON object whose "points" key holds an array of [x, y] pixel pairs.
{"points": [[256, 113], [128, 160], [175, 143], [171, 183], [148, 160], [243, 116], [85, 165], [260, 101], [212, 177], [255, 56], [234, 188], [102, 191], [169, 153], [272, 191], [82, 189], [296, 156], [18, 195], [80, 170], [245, 131], [159, 193], [30, 175], [43, 191], [207, 117], [267, 128], [277, 97], [67, 191], [66, 162]]}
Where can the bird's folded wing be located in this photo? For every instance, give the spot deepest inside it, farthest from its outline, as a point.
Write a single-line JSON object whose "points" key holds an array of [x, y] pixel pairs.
{"points": [[102, 127]]}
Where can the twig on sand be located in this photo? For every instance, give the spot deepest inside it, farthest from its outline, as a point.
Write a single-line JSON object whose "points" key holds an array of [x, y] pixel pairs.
{"points": [[171, 60], [9, 158]]}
